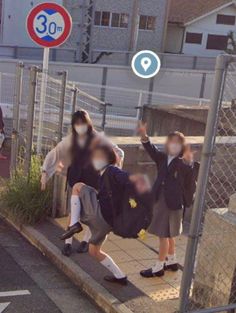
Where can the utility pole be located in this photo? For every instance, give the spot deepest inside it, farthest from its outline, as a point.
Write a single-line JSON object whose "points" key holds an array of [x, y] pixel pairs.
{"points": [[134, 26]]}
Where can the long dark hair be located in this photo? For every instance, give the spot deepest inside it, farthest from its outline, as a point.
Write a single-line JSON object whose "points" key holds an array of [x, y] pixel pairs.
{"points": [[83, 117]]}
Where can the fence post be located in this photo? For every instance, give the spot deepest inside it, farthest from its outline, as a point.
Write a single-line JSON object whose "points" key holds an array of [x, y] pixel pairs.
{"points": [[62, 104], [59, 138], [198, 208], [74, 99], [30, 119], [104, 115], [16, 116]]}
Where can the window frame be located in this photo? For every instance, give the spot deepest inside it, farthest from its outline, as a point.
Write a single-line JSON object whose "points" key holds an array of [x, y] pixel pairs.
{"points": [[111, 14], [215, 35], [225, 23], [147, 17], [193, 42]]}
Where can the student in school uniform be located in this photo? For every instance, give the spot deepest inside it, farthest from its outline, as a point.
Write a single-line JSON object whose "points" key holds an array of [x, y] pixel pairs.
{"points": [[169, 190], [97, 207], [73, 156]]}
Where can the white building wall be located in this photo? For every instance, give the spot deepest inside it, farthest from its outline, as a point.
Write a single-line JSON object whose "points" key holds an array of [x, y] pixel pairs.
{"points": [[14, 15], [207, 26]]}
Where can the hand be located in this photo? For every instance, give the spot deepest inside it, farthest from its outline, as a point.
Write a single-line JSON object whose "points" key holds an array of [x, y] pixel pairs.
{"points": [[43, 181], [142, 130], [189, 156]]}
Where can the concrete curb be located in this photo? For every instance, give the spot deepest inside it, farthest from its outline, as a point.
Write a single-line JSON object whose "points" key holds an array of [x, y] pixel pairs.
{"points": [[80, 278]]}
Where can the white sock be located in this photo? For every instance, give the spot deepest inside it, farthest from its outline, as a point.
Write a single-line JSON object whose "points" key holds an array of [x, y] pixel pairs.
{"points": [[75, 214], [158, 266], [171, 259], [87, 235], [113, 267], [69, 241], [75, 210]]}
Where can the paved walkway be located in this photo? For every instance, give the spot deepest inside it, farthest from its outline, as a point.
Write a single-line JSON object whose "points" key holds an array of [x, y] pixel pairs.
{"points": [[134, 255]]}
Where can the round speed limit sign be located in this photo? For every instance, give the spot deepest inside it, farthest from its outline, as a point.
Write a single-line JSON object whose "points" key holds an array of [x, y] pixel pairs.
{"points": [[49, 24]]}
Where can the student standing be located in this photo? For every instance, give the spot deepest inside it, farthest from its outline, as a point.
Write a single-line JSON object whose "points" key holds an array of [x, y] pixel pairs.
{"points": [[2, 135], [169, 196], [73, 154]]}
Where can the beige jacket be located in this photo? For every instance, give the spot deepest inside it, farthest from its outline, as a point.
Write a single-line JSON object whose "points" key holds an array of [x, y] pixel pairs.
{"points": [[58, 159]]}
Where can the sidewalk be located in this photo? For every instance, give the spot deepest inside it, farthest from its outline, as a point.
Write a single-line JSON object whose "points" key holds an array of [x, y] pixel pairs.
{"points": [[153, 295], [132, 256]]}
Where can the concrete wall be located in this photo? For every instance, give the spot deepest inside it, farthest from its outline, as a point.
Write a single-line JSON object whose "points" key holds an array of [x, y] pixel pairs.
{"points": [[184, 83], [207, 26]]}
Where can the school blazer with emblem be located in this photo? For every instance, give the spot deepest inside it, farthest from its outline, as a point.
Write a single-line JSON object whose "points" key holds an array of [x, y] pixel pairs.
{"points": [[175, 179]]}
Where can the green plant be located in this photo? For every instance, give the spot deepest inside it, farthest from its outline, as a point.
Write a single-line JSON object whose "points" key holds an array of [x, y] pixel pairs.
{"points": [[21, 197]]}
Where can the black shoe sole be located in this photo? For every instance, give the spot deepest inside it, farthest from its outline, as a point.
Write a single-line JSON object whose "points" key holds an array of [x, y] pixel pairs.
{"points": [[113, 280], [151, 275]]}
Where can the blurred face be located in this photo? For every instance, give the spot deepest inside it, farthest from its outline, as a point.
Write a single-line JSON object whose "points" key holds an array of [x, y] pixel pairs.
{"points": [[174, 146], [81, 128], [99, 160]]}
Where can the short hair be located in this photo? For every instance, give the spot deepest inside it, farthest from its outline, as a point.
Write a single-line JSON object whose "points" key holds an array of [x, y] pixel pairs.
{"points": [[108, 151], [179, 135]]}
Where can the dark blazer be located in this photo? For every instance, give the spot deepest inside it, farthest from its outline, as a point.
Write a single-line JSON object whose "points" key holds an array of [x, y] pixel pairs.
{"points": [[175, 179], [1, 120], [112, 185]]}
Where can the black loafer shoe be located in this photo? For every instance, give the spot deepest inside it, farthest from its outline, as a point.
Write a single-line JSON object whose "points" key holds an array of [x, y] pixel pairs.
{"points": [[83, 247], [113, 279], [172, 267], [67, 250], [148, 273], [74, 229]]}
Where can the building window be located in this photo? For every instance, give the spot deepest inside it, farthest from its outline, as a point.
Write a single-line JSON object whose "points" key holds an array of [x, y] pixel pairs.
{"points": [[195, 38], [225, 19], [108, 19], [147, 22], [217, 42], [120, 20]]}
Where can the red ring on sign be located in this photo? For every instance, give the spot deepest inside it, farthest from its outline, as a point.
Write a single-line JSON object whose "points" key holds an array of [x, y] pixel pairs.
{"points": [[67, 20]]}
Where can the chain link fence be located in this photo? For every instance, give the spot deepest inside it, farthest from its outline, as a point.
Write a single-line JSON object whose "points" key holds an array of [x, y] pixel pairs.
{"points": [[209, 276], [36, 128]]}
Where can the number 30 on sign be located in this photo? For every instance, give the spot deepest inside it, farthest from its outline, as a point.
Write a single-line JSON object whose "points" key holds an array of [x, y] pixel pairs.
{"points": [[49, 24]]}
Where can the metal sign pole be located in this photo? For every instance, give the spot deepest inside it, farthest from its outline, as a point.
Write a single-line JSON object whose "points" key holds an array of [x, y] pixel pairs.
{"points": [[46, 52]]}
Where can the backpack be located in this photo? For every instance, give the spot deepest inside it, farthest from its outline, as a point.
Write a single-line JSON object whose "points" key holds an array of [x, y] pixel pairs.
{"points": [[134, 213]]}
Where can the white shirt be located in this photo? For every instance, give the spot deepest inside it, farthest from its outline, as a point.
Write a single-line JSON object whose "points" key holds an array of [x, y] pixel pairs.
{"points": [[170, 159]]}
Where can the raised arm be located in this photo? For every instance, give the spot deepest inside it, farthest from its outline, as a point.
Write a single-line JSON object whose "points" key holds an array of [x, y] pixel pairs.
{"points": [[156, 155]]}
